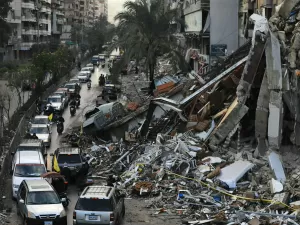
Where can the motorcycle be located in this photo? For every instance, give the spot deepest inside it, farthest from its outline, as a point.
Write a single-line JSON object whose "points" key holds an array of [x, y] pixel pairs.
{"points": [[60, 127], [64, 195], [77, 100], [89, 85], [72, 110]]}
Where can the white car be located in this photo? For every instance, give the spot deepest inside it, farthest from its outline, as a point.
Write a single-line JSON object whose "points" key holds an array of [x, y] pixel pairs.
{"points": [[43, 132], [38, 203], [42, 119], [75, 80], [26, 165], [91, 67], [83, 76], [86, 70], [57, 102]]}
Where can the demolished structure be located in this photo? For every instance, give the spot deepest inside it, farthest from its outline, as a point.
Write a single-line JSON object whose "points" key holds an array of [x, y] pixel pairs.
{"points": [[214, 155]]}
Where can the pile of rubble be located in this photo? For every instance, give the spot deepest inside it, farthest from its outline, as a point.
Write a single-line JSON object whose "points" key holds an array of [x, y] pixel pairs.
{"points": [[211, 154], [176, 177]]}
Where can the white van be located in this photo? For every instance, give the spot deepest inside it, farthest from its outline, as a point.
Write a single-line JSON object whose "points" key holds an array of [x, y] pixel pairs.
{"points": [[26, 165]]}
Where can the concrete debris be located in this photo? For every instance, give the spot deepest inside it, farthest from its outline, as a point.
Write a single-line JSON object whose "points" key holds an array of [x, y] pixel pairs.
{"points": [[208, 147]]}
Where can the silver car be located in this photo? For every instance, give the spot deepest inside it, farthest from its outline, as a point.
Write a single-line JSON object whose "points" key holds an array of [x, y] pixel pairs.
{"points": [[99, 205], [58, 102], [41, 119], [38, 203], [43, 132]]}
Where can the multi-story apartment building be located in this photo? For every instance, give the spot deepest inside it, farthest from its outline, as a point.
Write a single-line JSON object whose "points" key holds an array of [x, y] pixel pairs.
{"points": [[101, 8], [33, 22]]}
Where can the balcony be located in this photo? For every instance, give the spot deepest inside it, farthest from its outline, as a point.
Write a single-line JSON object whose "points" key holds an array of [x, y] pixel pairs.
{"points": [[56, 32], [45, 10], [60, 21], [194, 7], [44, 21], [43, 32], [29, 31], [15, 19], [26, 45], [28, 5], [59, 13], [28, 18]]}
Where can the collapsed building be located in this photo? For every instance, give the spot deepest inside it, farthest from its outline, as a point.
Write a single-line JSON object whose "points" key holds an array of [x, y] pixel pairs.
{"points": [[255, 94]]}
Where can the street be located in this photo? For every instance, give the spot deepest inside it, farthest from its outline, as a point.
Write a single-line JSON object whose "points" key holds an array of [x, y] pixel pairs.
{"points": [[136, 214]]}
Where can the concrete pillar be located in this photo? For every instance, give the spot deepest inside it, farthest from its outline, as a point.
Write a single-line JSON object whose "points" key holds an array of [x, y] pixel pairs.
{"points": [[275, 119]]}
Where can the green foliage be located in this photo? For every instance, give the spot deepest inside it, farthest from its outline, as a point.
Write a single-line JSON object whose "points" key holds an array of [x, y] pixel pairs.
{"points": [[94, 37], [147, 32], [4, 27]]}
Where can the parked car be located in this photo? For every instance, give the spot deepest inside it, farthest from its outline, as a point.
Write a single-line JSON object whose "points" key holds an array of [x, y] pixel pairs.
{"points": [[87, 71], [75, 80], [91, 67], [57, 102], [31, 145], [26, 165], [38, 203], [99, 203], [83, 77], [95, 60], [70, 157], [110, 91], [43, 132], [71, 88], [64, 94], [41, 119]]}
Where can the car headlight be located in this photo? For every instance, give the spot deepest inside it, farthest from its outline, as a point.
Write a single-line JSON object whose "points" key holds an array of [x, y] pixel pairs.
{"points": [[16, 186], [31, 215], [63, 213]]}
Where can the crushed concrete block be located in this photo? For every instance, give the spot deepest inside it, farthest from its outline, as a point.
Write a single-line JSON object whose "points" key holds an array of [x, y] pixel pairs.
{"points": [[280, 197], [275, 186], [235, 171], [296, 42], [287, 7], [275, 119], [292, 59], [276, 166], [288, 28]]}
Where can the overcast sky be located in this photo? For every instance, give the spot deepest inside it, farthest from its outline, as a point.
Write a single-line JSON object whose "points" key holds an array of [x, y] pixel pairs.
{"points": [[114, 6]]}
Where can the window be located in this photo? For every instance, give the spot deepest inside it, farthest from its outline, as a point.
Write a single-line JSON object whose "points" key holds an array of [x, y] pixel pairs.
{"points": [[39, 130], [22, 192], [29, 170], [42, 198], [72, 158], [86, 204]]}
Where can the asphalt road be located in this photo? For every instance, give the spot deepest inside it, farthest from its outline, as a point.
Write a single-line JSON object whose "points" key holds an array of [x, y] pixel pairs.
{"points": [[136, 213]]}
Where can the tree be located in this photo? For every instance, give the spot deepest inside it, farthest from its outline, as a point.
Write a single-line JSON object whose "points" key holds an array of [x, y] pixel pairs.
{"points": [[62, 63], [42, 64], [4, 27], [146, 32]]}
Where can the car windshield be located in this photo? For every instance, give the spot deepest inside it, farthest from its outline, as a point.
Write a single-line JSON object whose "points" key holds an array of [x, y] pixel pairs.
{"points": [[86, 204], [54, 99], [29, 170], [40, 121], [39, 130], [68, 158], [70, 86], [42, 198], [28, 148], [75, 80], [85, 69]]}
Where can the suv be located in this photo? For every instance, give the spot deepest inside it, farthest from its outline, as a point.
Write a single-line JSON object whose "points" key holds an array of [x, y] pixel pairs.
{"points": [[31, 145], [99, 205], [38, 203], [70, 157], [110, 91], [26, 165]]}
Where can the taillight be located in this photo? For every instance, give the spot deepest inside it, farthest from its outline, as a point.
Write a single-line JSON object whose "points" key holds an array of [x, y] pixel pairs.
{"points": [[74, 215], [112, 217]]}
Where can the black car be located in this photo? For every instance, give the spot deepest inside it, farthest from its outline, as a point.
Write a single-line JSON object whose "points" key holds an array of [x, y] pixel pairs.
{"points": [[110, 92], [70, 158]]}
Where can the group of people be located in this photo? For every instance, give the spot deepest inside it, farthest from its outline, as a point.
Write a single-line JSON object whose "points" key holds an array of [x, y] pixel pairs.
{"points": [[102, 80]]}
